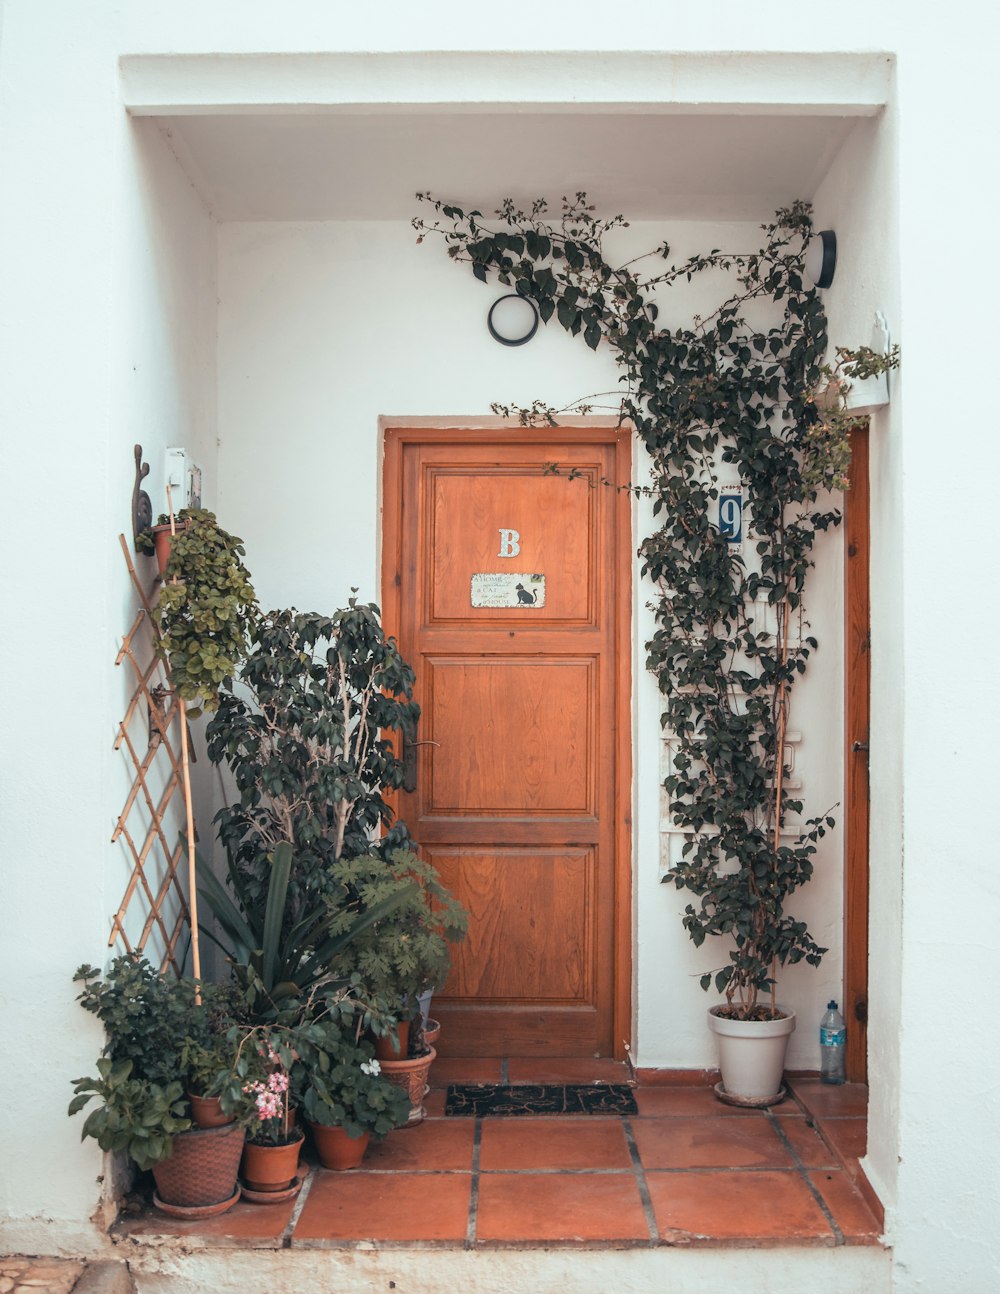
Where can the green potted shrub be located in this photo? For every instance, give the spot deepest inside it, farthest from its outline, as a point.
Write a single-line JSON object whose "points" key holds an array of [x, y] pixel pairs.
{"points": [[406, 953], [151, 1023], [308, 739], [207, 607], [344, 1095]]}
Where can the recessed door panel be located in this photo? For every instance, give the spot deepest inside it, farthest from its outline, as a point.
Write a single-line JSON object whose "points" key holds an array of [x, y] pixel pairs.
{"points": [[531, 926], [500, 714], [509, 521], [508, 588]]}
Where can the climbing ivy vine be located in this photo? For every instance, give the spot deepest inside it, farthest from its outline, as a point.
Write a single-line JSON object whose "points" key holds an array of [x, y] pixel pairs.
{"points": [[741, 392]]}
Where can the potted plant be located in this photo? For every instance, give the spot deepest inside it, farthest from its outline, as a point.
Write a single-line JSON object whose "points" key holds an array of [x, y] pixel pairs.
{"points": [[152, 1023], [308, 741], [345, 1097], [726, 409], [207, 606], [264, 1058], [405, 953]]}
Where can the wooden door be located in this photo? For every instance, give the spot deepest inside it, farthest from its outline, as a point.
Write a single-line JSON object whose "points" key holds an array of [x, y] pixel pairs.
{"points": [[857, 676], [508, 588]]}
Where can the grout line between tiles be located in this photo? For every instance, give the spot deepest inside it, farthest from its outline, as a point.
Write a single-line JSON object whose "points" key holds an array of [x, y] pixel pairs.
{"points": [[504, 1070], [804, 1174], [473, 1222], [640, 1181], [300, 1203]]}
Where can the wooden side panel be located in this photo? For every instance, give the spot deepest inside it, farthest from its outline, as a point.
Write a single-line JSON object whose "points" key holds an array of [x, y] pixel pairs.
{"points": [[857, 675]]}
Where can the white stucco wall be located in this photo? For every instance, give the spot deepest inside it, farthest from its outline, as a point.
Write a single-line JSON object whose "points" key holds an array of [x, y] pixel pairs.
{"points": [[70, 412], [107, 339]]}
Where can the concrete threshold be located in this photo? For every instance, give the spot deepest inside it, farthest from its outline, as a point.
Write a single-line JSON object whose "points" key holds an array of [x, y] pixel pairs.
{"points": [[172, 1269]]}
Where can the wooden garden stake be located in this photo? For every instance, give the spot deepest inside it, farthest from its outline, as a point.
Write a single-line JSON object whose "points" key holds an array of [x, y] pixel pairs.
{"points": [[189, 813]]}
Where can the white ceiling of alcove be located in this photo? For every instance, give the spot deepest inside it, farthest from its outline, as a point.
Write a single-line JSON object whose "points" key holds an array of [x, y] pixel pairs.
{"points": [[368, 165]]}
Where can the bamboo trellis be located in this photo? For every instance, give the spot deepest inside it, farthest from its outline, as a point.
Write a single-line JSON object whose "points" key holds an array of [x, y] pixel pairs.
{"points": [[145, 734]]}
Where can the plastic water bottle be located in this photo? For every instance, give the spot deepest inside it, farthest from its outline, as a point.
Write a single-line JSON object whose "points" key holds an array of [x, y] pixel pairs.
{"points": [[832, 1045]]}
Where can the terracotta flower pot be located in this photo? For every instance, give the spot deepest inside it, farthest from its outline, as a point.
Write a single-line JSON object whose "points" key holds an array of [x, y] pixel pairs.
{"points": [[270, 1168], [432, 1031], [384, 1048], [202, 1169], [207, 1111], [411, 1076], [336, 1149]]}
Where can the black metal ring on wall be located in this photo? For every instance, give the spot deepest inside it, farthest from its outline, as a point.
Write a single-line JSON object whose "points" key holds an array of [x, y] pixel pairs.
{"points": [[513, 341]]}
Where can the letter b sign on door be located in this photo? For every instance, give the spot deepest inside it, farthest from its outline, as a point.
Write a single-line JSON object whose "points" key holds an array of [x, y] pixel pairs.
{"points": [[510, 543]]}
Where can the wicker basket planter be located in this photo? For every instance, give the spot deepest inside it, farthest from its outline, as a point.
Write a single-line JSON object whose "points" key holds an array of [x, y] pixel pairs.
{"points": [[202, 1169]]}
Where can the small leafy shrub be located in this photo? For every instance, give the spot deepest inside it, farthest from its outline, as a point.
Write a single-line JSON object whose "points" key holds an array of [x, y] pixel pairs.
{"points": [[308, 741], [406, 951], [207, 608], [154, 1027]]}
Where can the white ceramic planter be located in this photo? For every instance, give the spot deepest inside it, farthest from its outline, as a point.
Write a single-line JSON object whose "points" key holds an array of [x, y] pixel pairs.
{"points": [[752, 1054]]}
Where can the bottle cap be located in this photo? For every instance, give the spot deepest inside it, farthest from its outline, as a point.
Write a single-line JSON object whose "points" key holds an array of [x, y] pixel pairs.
{"points": [[831, 1005]]}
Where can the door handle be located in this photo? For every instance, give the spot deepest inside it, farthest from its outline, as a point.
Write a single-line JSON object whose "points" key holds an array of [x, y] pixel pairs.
{"points": [[409, 757]]}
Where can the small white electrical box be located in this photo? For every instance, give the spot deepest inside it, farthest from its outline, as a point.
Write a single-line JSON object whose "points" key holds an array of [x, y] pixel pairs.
{"points": [[183, 476], [874, 392]]}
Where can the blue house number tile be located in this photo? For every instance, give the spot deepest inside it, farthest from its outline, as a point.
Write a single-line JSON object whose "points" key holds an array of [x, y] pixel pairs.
{"points": [[731, 517]]}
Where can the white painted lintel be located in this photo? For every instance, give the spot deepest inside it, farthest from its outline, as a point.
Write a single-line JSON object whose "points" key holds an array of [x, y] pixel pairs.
{"points": [[831, 84]]}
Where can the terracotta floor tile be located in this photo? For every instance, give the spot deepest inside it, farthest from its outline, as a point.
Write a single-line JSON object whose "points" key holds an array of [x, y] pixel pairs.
{"points": [[434, 1102], [709, 1143], [568, 1070], [850, 1212], [246, 1222], [827, 1100], [849, 1137], [693, 1208], [385, 1206], [462, 1069], [553, 1143], [434, 1144], [687, 1101], [808, 1144], [554, 1206]]}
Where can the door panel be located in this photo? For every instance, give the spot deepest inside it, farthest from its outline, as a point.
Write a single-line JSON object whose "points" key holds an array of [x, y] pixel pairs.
{"points": [[504, 892], [508, 587], [501, 715]]}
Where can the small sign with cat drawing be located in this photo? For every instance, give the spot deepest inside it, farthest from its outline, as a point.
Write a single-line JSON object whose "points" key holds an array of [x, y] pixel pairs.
{"points": [[508, 589]]}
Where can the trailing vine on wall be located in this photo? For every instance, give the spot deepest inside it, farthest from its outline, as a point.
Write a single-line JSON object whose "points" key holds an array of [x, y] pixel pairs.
{"points": [[742, 391]]}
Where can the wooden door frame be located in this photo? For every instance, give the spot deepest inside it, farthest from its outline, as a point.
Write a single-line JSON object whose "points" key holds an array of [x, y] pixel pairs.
{"points": [[394, 438], [857, 728]]}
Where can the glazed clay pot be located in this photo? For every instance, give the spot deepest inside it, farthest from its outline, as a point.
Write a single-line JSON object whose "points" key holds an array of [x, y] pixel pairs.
{"points": [[336, 1149], [270, 1168]]}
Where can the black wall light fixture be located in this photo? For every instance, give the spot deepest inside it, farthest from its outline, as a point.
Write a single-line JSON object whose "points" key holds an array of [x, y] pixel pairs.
{"points": [[512, 320], [821, 258]]}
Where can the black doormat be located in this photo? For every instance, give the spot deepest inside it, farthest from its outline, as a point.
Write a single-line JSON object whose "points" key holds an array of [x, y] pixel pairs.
{"points": [[509, 1100]]}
